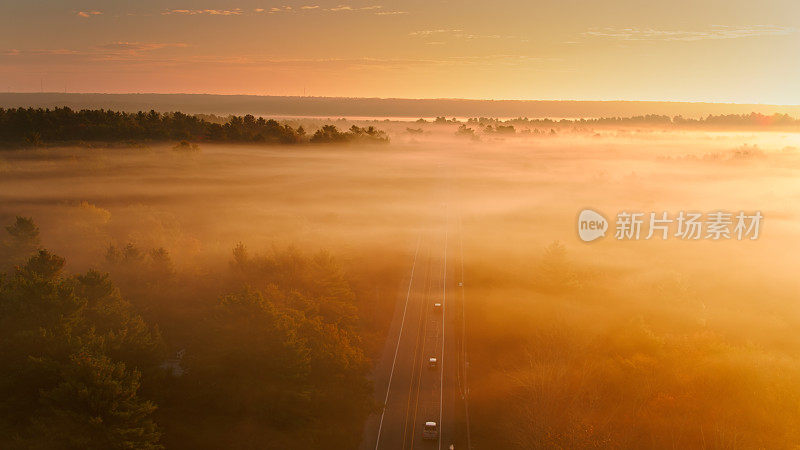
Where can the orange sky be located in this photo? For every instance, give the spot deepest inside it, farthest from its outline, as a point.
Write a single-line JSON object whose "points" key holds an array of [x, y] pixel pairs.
{"points": [[729, 51]]}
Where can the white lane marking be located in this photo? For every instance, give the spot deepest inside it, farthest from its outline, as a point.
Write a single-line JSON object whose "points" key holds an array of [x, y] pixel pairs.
{"points": [[441, 366], [397, 348], [465, 386]]}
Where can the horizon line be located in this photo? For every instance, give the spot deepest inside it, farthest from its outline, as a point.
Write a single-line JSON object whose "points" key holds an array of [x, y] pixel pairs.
{"points": [[698, 102]]}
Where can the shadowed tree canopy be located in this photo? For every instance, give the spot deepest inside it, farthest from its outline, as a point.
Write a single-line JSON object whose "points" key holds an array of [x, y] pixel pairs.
{"points": [[273, 351], [20, 126], [72, 354], [22, 241]]}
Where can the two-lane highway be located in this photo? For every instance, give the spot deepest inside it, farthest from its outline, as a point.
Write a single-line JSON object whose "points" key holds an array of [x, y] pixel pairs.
{"points": [[411, 390]]}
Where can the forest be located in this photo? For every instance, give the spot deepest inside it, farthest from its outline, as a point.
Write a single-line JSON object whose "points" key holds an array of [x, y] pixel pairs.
{"points": [[711, 121], [241, 296], [29, 126], [136, 354]]}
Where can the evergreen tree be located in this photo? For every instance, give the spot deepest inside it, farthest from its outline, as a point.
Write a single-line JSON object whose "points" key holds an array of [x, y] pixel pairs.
{"points": [[71, 356]]}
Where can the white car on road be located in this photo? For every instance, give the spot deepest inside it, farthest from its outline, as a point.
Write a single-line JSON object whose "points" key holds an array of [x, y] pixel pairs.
{"points": [[431, 431]]}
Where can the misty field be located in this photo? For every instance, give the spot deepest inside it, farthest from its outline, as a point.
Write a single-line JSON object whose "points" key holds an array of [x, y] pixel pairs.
{"points": [[609, 344]]}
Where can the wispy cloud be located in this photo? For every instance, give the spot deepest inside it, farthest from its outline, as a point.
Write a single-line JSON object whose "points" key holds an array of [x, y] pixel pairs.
{"points": [[433, 32], [285, 9], [139, 55], [275, 9], [353, 8], [712, 33], [138, 47], [113, 51], [40, 52], [460, 34], [87, 14], [482, 36], [483, 60], [210, 12]]}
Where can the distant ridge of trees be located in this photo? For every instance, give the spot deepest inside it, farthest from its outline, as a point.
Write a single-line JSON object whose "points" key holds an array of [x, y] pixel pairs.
{"points": [[723, 120], [35, 126]]}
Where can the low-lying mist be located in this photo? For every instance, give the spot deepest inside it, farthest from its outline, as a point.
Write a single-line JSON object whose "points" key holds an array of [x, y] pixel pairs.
{"points": [[623, 344]]}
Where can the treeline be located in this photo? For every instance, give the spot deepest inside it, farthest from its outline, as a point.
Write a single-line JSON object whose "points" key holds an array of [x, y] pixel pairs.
{"points": [[31, 126], [724, 120], [265, 353]]}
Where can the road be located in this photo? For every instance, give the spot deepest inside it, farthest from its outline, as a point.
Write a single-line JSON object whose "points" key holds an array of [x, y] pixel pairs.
{"points": [[410, 391]]}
